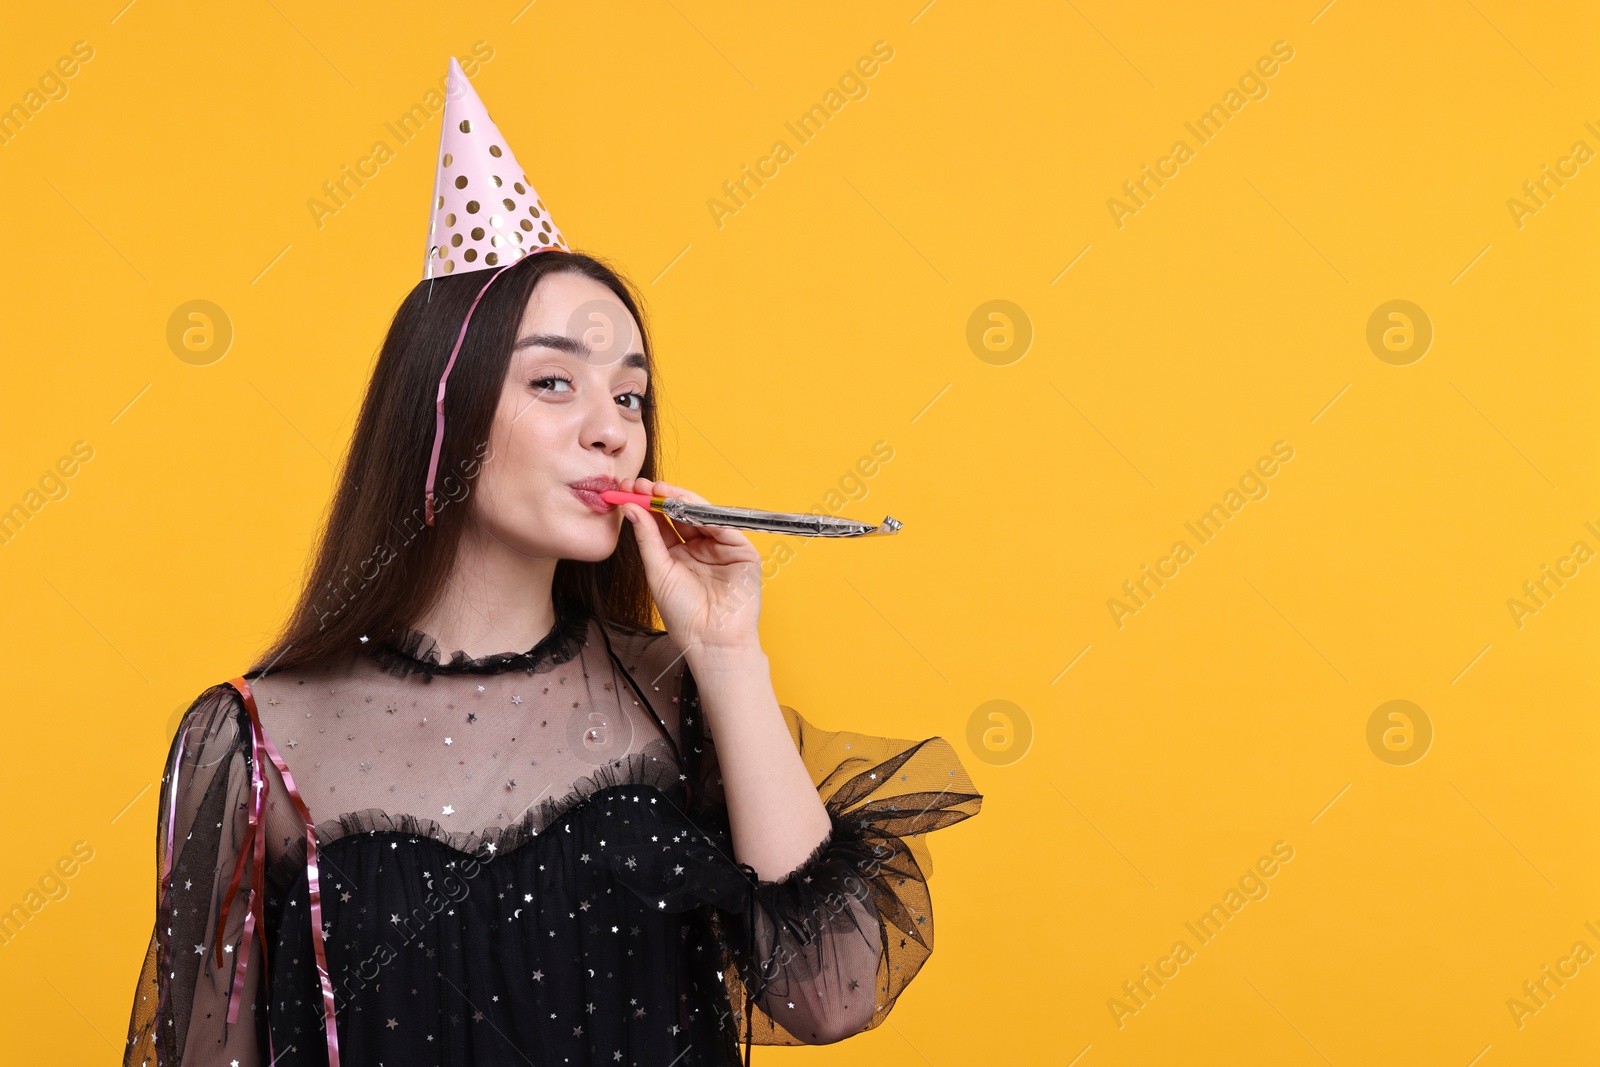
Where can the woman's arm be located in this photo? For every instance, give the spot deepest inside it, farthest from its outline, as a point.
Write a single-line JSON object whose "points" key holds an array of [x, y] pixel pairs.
{"points": [[823, 952], [824, 864], [776, 817], [706, 581], [180, 1005]]}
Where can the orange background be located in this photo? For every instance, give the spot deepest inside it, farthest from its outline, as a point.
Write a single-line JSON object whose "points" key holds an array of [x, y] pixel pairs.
{"points": [[1135, 772]]}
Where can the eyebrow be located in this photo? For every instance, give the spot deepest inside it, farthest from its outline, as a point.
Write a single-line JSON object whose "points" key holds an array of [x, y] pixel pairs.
{"points": [[573, 346]]}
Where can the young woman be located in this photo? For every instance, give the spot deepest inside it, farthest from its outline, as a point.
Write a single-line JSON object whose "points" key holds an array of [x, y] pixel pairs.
{"points": [[575, 838]]}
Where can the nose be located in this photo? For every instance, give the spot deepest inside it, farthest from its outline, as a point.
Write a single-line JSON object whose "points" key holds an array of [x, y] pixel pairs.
{"points": [[604, 429]]}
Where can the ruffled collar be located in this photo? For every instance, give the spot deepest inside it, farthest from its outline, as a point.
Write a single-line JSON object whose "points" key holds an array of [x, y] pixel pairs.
{"points": [[412, 651]]}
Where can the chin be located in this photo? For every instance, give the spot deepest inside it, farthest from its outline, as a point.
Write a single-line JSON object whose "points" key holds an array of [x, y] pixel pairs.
{"points": [[588, 539], [587, 545], [592, 551]]}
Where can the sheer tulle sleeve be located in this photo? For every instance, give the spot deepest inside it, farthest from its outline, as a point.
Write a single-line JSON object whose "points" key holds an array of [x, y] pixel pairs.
{"points": [[180, 1006], [824, 952]]}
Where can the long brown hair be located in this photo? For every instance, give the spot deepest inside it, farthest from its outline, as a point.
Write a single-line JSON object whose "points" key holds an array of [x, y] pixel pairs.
{"points": [[377, 566]]}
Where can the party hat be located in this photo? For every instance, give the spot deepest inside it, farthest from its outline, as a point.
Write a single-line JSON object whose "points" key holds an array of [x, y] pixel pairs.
{"points": [[486, 216], [485, 211]]}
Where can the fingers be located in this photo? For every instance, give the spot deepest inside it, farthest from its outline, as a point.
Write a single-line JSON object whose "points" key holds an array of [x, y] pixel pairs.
{"points": [[657, 535], [722, 535], [667, 489], [652, 545], [679, 491], [645, 487], [673, 533]]}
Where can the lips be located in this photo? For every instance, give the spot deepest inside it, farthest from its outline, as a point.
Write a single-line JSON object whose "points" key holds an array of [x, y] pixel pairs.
{"points": [[588, 491], [595, 485]]}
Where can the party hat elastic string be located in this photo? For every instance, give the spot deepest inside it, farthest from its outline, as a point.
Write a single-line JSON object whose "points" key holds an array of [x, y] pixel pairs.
{"points": [[486, 215], [438, 419]]}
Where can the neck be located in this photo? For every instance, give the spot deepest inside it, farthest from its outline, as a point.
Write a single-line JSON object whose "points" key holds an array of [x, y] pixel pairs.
{"points": [[496, 599]]}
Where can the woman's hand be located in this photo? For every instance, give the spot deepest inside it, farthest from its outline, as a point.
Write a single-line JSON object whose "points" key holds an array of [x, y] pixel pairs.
{"points": [[706, 580]]}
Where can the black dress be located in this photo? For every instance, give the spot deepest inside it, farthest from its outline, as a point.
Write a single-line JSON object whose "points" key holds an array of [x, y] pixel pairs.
{"points": [[521, 858]]}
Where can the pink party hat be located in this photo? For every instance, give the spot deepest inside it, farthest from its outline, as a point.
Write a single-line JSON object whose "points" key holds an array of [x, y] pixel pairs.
{"points": [[486, 216], [485, 211]]}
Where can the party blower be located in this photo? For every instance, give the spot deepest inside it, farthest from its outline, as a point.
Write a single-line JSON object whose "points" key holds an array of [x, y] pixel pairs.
{"points": [[780, 522]]}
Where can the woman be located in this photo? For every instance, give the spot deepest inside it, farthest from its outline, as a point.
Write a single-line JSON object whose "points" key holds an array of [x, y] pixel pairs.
{"points": [[612, 847]]}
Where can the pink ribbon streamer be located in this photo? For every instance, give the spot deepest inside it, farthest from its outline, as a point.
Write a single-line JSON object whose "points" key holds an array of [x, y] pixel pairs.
{"points": [[438, 419], [438, 422], [256, 848]]}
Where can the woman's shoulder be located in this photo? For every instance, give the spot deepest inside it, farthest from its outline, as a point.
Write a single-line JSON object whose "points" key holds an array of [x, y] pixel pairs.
{"points": [[217, 720], [214, 704], [213, 725]]}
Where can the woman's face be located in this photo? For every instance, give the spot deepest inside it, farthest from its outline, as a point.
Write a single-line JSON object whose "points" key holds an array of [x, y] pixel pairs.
{"points": [[570, 411]]}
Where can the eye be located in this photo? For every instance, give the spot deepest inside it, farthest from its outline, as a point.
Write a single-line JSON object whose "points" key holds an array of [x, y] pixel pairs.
{"points": [[640, 401], [546, 382]]}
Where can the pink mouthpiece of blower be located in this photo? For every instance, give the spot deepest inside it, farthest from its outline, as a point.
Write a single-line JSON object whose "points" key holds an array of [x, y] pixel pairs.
{"points": [[617, 496]]}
